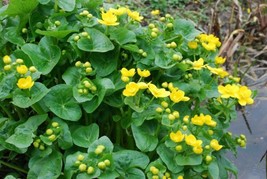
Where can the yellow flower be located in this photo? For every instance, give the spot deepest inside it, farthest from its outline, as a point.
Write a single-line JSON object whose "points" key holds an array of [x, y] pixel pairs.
{"points": [[155, 12], [22, 69], [6, 59], [218, 71], [198, 120], [180, 177], [128, 73], [108, 18], [131, 89], [192, 44], [142, 85], [198, 149], [158, 92], [144, 73], [208, 121], [209, 46], [219, 60], [244, 96], [120, 11], [25, 83], [190, 140], [135, 15], [209, 42], [197, 65], [177, 137], [215, 145], [178, 95], [228, 91]]}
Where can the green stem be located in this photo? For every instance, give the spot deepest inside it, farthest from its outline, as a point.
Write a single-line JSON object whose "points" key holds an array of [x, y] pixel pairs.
{"points": [[8, 113], [36, 107], [118, 133], [56, 6], [13, 167]]}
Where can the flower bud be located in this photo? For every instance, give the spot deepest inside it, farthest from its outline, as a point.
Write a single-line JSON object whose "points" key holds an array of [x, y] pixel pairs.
{"points": [[171, 117], [151, 26], [186, 119], [184, 127], [154, 34], [101, 165], [49, 131], [176, 114], [32, 69], [52, 137], [176, 57], [178, 148], [36, 144], [41, 147], [76, 38], [140, 51], [24, 30], [7, 67], [156, 30], [173, 45], [88, 70], [210, 132], [107, 162], [7, 59], [164, 104], [125, 79], [78, 64], [164, 84], [80, 157], [159, 109], [89, 16], [85, 34], [170, 25], [55, 124], [90, 170], [208, 159], [144, 54], [154, 170], [57, 23], [82, 167], [168, 110]]}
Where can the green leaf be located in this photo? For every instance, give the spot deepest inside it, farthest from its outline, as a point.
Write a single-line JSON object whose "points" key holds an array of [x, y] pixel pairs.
{"points": [[162, 61], [98, 42], [145, 136], [109, 175], [12, 35], [192, 159], [135, 173], [125, 159], [185, 28], [131, 47], [56, 33], [44, 1], [10, 177], [67, 5], [25, 98], [105, 63], [122, 35], [71, 76], [6, 85], [61, 102], [168, 157], [69, 168], [44, 56], [84, 136], [213, 170], [45, 167], [24, 133], [103, 86], [20, 7]]}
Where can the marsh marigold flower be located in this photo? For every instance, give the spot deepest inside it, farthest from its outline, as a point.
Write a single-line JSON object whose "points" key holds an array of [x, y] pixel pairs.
{"points": [[158, 92], [218, 71], [128, 73], [155, 12], [178, 95], [228, 91], [219, 60], [215, 145], [144, 73], [192, 44], [198, 120], [177, 136], [190, 140], [199, 64], [208, 121], [142, 85], [109, 19], [22, 69], [209, 42], [131, 89], [198, 149], [25, 83], [244, 96], [135, 15]]}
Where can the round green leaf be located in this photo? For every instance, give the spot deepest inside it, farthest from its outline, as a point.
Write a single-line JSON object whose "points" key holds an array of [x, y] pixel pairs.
{"points": [[25, 98], [61, 102], [98, 42], [188, 159], [84, 136]]}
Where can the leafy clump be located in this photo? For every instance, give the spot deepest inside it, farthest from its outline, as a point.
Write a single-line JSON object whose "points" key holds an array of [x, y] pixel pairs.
{"points": [[88, 92]]}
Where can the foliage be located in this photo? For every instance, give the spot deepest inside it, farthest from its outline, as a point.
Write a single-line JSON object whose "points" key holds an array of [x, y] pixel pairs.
{"points": [[88, 92]]}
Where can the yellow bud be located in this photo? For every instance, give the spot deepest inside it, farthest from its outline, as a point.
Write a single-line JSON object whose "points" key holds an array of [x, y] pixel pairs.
{"points": [[82, 167], [162, 19], [78, 64], [7, 59], [168, 110], [155, 30], [207, 147], [159, 109], [57, 23], [168, 45], [32, 69], [167, 174], [155, 177], [164, 85], [176, 114], [125, 79], [85, 34], [36, 144], [85, 12], [41, 147], [151, 26], [107, 162], [173, 45], [49, 131], [208, 159], [140, 51], [76, 38], [80, 157], [144, 54], [52, 137], [210, 132], [154, 34], [170, 25], [184, 128], [186, 119], [88, 70], [7, 67], [178, 148], [164, 104], [101, 165], [243, 143], [176, 57], [168, 16], [55, 124], [171, 117], [90, 170], [87, 64]]}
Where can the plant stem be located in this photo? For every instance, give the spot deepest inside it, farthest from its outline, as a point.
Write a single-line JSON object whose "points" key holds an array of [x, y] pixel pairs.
{"points": [[56, 6], [118, 133], [13, 167], [8, 113], [38, 108]]}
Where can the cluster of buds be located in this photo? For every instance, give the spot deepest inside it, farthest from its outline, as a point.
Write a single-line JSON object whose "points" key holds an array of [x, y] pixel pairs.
{"points": [[86, 68], [171, 45], [154, 31], [142, 52], [99, 149], [82, 166], [102, 165], [241, 140], [38, 144], [85, 86], [53, 132], [172, 115], [86, 13]]}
